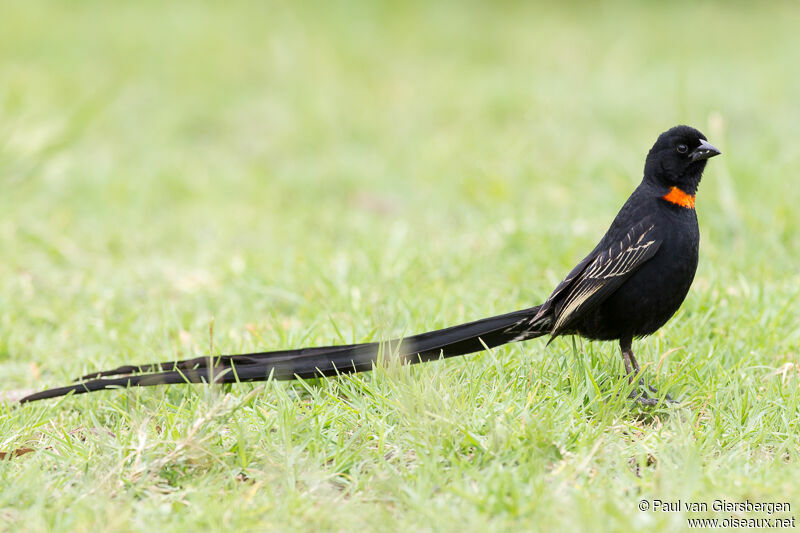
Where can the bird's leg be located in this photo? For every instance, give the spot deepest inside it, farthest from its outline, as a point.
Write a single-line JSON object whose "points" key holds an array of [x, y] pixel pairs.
{"points": [[633, 369], [627, 354], [630, 364], [638, 370]]}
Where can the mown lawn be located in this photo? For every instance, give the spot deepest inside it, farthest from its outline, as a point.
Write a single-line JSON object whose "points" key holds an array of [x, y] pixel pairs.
{"points": [[241, 176]]}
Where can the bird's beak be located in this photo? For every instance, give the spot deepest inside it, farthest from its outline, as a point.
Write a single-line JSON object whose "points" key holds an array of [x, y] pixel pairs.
{"points": [[706, 150]]}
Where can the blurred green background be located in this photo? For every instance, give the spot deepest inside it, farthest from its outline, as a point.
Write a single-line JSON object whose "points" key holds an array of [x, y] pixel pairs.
{"points": [[301, 173]]}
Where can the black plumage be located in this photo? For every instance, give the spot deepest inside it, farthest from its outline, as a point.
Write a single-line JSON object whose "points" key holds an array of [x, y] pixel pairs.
{"points": [[630, 285]]}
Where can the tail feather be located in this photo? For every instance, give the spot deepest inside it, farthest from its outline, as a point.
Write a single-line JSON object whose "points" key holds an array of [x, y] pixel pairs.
{"points": [[318, 361]]}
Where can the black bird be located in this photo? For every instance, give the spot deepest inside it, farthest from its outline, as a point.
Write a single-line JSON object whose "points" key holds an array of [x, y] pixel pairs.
{"points": [[633, 281]]}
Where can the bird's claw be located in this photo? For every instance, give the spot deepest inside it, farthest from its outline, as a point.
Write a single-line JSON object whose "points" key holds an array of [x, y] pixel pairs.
{"points": [[667, 397], [645, 399]]}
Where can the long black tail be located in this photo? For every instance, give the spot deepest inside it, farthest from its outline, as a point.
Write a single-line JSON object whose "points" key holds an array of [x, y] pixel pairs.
{"points": [[320, 361]]}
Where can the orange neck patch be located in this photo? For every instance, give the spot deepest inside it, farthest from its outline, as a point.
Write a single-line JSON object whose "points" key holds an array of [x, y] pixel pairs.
{"points": [[678, 197]]}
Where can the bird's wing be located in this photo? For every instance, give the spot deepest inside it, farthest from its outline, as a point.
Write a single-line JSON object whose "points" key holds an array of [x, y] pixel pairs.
{"points": [[601, 275]]}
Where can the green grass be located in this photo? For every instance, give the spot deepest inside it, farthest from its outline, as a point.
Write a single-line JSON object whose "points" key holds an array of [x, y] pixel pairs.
{"points": [[297, 175]]}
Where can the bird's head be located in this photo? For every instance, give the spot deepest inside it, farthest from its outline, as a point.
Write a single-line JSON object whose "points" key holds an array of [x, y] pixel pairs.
{"points": [[678, 158]]}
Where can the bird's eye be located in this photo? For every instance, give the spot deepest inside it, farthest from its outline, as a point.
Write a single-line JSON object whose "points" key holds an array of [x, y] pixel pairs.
{"points": [[682, 148]]}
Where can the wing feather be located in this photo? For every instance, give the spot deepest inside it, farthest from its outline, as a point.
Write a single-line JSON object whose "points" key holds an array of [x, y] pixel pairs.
{"points": [[603, 274]]}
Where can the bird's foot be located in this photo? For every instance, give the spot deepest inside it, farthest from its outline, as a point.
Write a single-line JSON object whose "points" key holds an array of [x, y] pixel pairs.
{"points": [[667, 397], [644, 399]]}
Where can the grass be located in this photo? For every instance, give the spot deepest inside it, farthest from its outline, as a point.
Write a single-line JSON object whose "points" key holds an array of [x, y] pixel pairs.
{"points": [[192, 177]]}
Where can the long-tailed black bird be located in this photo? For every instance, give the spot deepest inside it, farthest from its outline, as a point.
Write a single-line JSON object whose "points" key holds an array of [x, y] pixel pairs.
{"points": [[633, 281]]}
